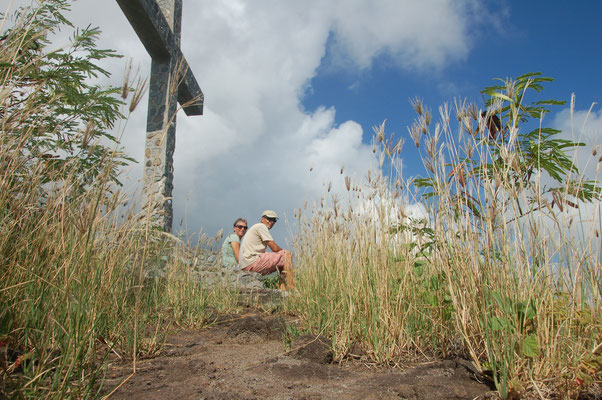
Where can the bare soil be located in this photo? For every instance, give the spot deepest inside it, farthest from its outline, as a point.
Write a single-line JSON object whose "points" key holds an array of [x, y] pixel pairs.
{"points": [[245, 357]]}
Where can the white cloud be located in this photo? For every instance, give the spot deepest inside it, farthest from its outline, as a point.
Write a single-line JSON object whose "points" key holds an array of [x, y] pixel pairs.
{"points": [[415, 34], [582, 224], [255, 145], [583, 126]]}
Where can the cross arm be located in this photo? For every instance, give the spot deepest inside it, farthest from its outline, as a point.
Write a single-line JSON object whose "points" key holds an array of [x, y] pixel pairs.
{"points": [[190, 96], [154, 32]]}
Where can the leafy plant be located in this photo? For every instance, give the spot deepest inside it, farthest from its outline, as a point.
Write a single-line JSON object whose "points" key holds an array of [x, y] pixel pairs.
{"points": [[512, 323], [60, 117], [512, 151], [271, 282], [536, 150]]}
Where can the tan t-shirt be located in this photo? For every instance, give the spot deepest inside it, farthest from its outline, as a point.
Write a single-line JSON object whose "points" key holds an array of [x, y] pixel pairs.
{"points": [[253, 244]]}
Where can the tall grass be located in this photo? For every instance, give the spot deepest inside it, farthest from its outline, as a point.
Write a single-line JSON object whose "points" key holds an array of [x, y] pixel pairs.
{"points": [[73, 289], [488, 275], [74, 260]]}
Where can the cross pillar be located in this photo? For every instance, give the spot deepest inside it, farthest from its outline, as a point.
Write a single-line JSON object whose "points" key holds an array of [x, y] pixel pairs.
{"points": [[161, 128], [157, 23]]}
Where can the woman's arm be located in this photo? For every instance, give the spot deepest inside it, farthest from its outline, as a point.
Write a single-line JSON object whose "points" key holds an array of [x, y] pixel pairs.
{"points": [[236, 249]]}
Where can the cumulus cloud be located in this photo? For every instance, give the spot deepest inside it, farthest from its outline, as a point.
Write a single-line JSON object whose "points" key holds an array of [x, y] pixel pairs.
{"points": [[414, 34], [255, 145], [583, 126]]}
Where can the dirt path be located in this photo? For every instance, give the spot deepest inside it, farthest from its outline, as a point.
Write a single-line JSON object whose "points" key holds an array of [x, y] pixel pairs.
{"points": [[244, 357]]}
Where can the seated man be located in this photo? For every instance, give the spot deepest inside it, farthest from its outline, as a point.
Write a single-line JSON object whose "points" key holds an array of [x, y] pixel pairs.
{"points": [[253, 256]]}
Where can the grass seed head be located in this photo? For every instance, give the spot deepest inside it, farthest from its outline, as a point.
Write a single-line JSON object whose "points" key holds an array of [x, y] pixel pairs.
{"points": [[415, 134], [428, 117], [417, 105]]}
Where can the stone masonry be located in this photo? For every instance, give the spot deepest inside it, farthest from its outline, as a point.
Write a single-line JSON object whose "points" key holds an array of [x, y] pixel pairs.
{"points": [[207, 268], [158, 25]]}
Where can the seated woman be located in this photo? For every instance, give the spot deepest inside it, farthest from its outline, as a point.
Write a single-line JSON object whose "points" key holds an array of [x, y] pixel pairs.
{"points": [[231, 245]]}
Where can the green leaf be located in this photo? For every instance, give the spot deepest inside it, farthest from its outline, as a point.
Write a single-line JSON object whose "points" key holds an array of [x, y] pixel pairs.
{"points": [[502, 96], [526, 310], [499, 324], [424, 182], [530, 348], [498, 299], [432, 300], [419, 267]]}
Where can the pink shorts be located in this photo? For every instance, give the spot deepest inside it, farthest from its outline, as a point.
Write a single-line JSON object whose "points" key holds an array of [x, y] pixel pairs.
{"points": [[267, 263]]}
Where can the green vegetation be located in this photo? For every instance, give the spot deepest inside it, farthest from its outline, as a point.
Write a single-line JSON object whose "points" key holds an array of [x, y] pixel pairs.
{"points": [[73, 259], [271, 282], [497, 273], [47, 93]]}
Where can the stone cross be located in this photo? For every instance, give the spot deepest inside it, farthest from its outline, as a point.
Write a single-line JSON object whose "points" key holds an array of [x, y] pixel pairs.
{"points": [[157, 24]]}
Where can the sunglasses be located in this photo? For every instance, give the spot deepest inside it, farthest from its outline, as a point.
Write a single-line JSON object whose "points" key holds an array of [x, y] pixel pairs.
{"points": [[241, 226], [271, 219]]}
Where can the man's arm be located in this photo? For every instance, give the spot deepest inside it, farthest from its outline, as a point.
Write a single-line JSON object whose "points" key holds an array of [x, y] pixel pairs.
{"points": [[273, 246]]}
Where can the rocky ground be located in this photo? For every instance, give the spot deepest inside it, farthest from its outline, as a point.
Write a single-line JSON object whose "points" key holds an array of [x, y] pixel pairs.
{"points": [[250, 356]]}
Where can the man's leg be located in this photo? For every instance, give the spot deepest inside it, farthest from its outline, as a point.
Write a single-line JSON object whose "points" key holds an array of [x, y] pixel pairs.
{"points": [[281, 261], [266, 263], [286, 269]]}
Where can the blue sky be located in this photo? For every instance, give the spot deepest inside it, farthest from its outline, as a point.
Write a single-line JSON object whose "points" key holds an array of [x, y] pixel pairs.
{"points": [[293, 89], [562, 40]]}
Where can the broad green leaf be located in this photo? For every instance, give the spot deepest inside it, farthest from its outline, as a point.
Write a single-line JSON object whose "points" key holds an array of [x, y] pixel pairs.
{"points": [[530, 348], [499, 324], [498, 95]]}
